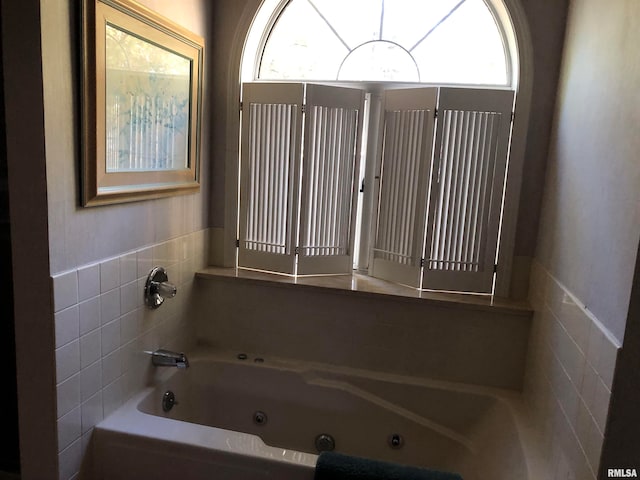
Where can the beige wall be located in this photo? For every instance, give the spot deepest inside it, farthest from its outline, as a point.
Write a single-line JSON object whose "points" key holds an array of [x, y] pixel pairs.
{"points": [[547, 25], [590, 222], [587, 245], [79, 272], [83, 235]]}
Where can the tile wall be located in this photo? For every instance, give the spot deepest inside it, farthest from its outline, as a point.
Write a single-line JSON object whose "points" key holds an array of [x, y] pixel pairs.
{"points": [[568, 379], [102, 329], [375, 332]]}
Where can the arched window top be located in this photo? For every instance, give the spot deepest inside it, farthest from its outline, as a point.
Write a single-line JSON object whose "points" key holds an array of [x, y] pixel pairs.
{"points": [[427, 41]]}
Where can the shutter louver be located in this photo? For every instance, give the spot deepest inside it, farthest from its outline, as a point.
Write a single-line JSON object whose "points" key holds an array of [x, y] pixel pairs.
{"points": [[333, 129], [270, 166], [407, 150], [297, 208], [472, 140]]}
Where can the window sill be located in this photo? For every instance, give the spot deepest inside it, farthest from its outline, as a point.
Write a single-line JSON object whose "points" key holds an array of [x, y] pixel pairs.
{"points": [[364, 285]]}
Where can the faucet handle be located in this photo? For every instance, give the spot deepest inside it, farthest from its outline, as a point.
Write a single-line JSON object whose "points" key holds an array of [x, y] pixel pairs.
{"points": [[157, 288]]}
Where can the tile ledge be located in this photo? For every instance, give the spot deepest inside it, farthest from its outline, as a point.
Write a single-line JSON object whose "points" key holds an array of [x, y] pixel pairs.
{"points": [[359, 284]]}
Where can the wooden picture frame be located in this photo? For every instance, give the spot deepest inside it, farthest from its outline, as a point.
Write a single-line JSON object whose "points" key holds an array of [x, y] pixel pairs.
{"points": [[141, 104]]}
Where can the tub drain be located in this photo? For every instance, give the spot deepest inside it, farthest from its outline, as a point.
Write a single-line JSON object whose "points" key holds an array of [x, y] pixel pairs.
{"points": [[325, 443], [259, 418]]}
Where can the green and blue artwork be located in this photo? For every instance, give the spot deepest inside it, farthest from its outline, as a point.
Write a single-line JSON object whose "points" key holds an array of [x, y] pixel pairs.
{"points": [[147, 113]]}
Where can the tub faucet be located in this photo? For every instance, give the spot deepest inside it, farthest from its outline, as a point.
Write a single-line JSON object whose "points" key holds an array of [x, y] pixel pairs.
{"points": [[157, 288], [167, 358]]}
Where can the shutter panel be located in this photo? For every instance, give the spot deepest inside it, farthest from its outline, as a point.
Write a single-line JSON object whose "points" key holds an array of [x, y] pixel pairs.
{"points": [[407, 151], [472, 140], [333, 130], [270, 172]]}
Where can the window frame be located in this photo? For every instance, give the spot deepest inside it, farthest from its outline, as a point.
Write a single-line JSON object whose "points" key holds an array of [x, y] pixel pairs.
{"points": [[241, 65]]}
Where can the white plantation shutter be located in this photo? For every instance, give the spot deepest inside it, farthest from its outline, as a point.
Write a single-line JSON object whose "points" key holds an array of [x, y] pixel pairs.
{"points": [[297, 208], [333, 128], [407, 150], [441, 182], [471, 148], [270, 172]]}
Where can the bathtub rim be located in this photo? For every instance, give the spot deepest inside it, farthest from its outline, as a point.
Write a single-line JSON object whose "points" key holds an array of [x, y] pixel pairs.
{"points": [[130, 419]]}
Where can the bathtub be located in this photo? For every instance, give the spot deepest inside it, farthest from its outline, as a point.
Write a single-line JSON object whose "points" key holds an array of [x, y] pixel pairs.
{"points": [[258, 418]]}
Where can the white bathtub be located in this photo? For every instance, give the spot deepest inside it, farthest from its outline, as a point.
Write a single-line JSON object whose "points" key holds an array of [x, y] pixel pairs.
{"points": [[211, 432]]}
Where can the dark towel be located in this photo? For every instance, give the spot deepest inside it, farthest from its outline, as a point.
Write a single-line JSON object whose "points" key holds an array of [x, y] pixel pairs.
{"points": [[335, 466]]}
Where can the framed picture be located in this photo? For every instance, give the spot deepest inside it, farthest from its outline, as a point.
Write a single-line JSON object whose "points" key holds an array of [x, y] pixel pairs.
{"points": [[141, 104]]}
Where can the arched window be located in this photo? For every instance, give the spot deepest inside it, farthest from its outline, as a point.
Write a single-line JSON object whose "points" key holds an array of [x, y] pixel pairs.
{"points": [[426, 41], [435, 156]]}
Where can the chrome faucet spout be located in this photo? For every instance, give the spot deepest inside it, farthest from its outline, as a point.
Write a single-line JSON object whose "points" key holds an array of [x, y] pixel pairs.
{"points": [[167, 358]]}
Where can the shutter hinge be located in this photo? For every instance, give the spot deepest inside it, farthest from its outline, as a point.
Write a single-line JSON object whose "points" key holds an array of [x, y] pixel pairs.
{"points": [[241, 106], [435, 113], [513, 115], [304, 108], [422, 262], [237, 243], [495, 268], [297, 251]]}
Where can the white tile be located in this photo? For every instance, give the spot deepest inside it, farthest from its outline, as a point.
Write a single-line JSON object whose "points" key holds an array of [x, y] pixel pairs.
{"points": [[199, 249], [67, 360], [574, 319], [594, 347], [68, 394], [593, 446], [110, 337], [584, 425], [92, 412], [188, 246], [89, 315], [67, 326], [129, 326], [133, 357], [90, 348], [161, 254], [111, 367], [69, 429], [570, 355], [65, 290], [90, 380], [588, 387], [129, 385], [87, 443], [88, 282], [111, 398], [109, 275], [130, 297], [128, 268], [607, 361], [145, 261], [109, 305], [173, 250], [563, 471], [565, 391], [600, 406], [149, 340], [69, 460]]}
